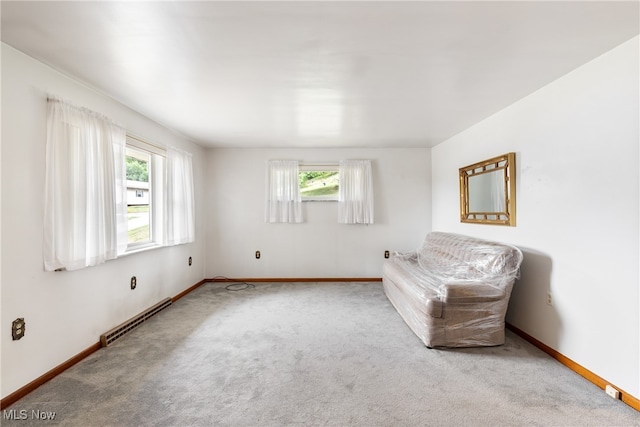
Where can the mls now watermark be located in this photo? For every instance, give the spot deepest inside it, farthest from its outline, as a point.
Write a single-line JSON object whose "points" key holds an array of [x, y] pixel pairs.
{"points": [[23, 414]]}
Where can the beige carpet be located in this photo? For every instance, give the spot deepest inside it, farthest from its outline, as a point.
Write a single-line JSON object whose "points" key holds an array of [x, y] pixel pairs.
{"points": [[310, 354]]}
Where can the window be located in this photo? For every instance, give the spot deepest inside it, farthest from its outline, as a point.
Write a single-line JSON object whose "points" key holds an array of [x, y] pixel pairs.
{"points": [[145, 179], [108, 193], [319, 182]]}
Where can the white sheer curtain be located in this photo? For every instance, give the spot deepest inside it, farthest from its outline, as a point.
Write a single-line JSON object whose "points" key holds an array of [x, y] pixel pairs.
{"points": [[85, 188], [355, 195], [180, 200], [283, 200]]}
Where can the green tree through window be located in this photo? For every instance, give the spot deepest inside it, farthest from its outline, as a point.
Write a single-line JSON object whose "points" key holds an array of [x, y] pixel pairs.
{"points": [[137, 170]]}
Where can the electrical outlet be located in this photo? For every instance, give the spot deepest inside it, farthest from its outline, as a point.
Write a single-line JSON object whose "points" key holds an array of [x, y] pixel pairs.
{"points": [[190, 261], [18, 328], [549, 300], [386, 254], [134, 282], [257, 254], [612, 392]]}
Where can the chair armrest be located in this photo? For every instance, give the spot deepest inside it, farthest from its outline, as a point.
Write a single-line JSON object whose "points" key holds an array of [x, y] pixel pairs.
{"points": [[469, 292], [405, 256]]}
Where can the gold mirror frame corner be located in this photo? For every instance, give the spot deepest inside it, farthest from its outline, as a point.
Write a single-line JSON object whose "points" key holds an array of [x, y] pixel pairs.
{"points": [[507, 216]]}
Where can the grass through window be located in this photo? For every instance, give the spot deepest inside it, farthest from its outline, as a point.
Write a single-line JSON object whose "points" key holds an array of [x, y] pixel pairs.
{"points": [[138, 223], [319, 183]]}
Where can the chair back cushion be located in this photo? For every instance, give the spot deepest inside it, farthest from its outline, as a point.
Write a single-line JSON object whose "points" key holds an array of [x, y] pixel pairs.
{"points": [[454, 256]]}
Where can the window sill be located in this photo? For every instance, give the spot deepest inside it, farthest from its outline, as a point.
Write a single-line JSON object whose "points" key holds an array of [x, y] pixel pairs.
{"points": [[141, 248]]}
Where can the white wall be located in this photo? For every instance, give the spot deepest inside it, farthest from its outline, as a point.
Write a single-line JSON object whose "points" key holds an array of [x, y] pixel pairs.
{"points": [[65, 312], [319, 247], [576, 142]]}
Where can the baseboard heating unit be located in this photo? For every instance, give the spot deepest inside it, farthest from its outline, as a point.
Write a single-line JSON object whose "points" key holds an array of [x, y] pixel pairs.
{"points": [[110, 336]]}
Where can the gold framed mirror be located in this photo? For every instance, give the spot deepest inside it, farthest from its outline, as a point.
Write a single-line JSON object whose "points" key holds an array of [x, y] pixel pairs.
{"points": [[488, 191]]}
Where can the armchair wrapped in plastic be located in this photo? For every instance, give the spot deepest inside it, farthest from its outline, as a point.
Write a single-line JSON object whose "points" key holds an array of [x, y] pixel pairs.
{"points": [[454, 290]]}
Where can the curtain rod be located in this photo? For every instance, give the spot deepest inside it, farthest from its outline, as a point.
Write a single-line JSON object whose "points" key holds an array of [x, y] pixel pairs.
{"points": [[137, 138]]}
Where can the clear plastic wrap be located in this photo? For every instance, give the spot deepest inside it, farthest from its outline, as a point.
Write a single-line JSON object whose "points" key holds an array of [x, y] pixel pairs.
{"points": [[454, 290]]}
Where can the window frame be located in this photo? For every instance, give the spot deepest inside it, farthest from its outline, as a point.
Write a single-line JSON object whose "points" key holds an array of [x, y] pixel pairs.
{"points": [[319, 167]]}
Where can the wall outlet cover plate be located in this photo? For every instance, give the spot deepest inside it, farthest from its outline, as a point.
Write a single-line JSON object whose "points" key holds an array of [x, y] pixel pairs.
{"points": [[18, 328]]}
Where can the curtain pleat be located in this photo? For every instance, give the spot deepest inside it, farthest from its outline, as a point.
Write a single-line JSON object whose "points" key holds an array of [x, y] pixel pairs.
{"points": [[283, 200], [85, 194], [355, 195], [180, 226]]}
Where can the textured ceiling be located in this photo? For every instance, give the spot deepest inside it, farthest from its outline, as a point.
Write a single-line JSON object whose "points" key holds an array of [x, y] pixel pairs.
{"points": [[317, 74]]}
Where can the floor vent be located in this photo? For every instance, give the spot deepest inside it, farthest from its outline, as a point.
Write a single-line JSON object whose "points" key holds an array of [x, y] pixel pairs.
{"points": [[110, 336]]}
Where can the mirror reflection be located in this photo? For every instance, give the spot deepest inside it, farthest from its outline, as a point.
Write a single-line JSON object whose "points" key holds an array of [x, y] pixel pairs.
{"points": [[487, 191]]}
